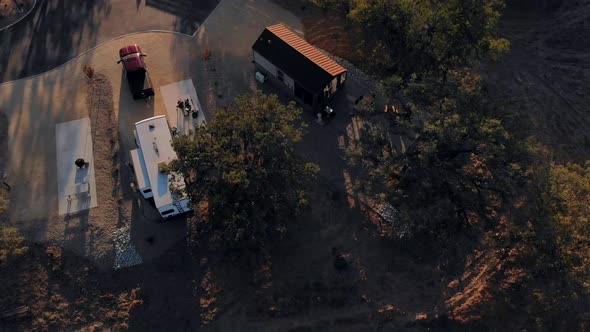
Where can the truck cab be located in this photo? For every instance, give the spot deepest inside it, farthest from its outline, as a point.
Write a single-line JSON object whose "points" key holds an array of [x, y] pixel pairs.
{"points": [[136, 71]]}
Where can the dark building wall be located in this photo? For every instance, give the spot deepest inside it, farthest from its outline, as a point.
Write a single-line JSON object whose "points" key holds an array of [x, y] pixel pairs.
{"points": [[313, 99]]}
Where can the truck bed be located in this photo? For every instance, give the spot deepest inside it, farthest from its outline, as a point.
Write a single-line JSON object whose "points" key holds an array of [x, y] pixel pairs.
{"points": [[140, 84]]}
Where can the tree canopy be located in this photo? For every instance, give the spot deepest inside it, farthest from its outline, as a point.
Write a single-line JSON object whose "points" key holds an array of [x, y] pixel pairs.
{"points": [[428, 37], [244, 165], [461, 170], [459, 162], [570, 205], [459, 167]]}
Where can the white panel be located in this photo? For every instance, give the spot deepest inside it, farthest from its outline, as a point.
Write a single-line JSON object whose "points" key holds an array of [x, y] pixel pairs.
{"points": [[259, 59], [76, 186], [168, 207], [140, 170]]}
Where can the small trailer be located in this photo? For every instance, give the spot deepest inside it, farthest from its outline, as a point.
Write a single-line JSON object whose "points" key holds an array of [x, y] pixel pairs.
{"points": [[150, 161]]}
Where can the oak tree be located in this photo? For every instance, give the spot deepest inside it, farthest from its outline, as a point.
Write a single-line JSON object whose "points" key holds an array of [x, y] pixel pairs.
{"points": [[243, 164]]}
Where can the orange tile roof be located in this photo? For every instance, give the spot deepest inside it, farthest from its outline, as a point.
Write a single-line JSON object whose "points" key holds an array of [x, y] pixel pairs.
{"points": [[305, 48]]}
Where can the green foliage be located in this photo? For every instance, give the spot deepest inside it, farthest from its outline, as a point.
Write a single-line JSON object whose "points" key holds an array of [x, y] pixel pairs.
{"points": [[457, 172], [12, 245], [570, 193], [428, 37], [460, 163], [244, 165], [3, 201]]}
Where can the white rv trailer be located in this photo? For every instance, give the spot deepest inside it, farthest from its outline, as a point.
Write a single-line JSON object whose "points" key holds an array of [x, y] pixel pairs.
{"points": [[154, 152]]}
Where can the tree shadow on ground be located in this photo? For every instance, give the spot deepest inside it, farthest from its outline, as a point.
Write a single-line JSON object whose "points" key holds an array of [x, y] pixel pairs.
{"points": [[169, 287], [49, 36], [189, 14]]}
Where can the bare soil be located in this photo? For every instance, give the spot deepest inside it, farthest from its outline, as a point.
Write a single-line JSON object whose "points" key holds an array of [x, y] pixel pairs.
{"points": [[64, 292], [334, 272], [545, 77], [10, 12], [326, 30], [113, 211]]}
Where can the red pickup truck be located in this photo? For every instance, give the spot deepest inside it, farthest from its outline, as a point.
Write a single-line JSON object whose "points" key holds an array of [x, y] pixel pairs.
{"points": [[136, 71]]}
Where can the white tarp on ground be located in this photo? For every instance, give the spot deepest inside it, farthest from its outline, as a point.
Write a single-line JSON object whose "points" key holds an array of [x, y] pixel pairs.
{"points": [[76, 187], [174, 92]]}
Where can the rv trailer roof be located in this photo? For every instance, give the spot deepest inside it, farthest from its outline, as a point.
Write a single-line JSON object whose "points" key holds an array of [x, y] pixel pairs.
{"points": [[154, 140]]}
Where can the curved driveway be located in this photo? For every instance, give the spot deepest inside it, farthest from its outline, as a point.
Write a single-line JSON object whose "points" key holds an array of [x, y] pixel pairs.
{"points": [[58, 30]]}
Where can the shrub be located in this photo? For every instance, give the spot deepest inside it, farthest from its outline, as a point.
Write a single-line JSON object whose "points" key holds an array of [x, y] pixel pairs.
{"points": [[3, 200], [88, 72], [570, 193], [11, 244]]}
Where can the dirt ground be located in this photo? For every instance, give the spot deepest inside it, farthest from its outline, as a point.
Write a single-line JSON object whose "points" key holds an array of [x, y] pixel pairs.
{"points": [[101, 223], [333, 273], [546, 75], [325, 30], [64, 291]]}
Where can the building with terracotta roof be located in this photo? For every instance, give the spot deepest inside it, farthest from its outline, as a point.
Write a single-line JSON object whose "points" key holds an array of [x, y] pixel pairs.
{"points": [[310, 75]]}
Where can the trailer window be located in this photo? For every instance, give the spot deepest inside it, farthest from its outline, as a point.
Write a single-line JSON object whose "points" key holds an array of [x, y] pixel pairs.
{"points": [[168, 211]]}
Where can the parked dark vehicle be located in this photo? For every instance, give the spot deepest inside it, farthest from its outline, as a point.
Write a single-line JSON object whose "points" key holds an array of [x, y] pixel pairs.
{"points": [[136, 71]]}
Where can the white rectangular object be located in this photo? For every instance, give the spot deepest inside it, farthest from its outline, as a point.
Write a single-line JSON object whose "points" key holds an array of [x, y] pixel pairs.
{"points": [[141, 176], [154, 141], [260, 77], [76, 186], [259, 59], [182, 90]]}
